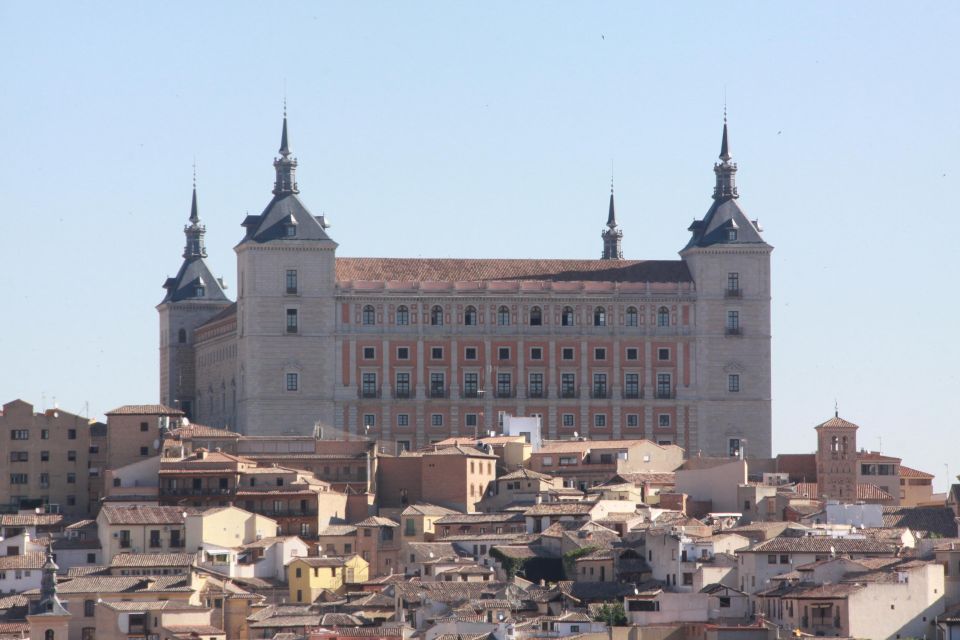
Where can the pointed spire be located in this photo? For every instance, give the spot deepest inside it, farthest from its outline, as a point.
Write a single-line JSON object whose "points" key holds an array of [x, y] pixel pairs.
{"points": [[725, 170], [286, 164], [284, 144], [612, 215], [612, 235], [194, 231]]}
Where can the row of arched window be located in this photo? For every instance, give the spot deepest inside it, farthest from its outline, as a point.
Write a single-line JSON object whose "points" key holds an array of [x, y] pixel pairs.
{"points": [[535, 317]]}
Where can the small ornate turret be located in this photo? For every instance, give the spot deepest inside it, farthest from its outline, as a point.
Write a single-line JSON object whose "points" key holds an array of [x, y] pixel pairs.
{"points": [[285, 165], [49, 601], [194, 231], [726, 170], [612, 235]]}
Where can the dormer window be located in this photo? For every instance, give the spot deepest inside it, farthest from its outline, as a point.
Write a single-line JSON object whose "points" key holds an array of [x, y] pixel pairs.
{"points": [[731, 235], [201, 290], [291, 230]]}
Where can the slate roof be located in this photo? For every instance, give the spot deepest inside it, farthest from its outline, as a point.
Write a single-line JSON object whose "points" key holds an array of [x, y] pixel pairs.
{"points": [[271, 224], [145, 410], [193, 273]]}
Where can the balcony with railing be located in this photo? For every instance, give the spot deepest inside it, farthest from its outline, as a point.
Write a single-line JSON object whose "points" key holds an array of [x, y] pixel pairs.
{"points": [[734, 331], [733, 293], [665, 393], [536, 392], [505, 391], [569, 392], [600, 393], [439, 392], [632, 393], [403, 393], [196, 491], [470, 392]]}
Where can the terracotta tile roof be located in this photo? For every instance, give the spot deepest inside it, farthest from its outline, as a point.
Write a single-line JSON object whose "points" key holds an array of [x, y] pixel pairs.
{"points": [[651, 477], [876, 456], [820, 544], [525, 474], [142, 514], [145, 410], [865, 491], [124, 584], [376, 521], [924, 520], [479, 518], [152, 560], [837, 422], [30, 519], [474, 270], [317, 561], [337, 530], [582, 446], [194, 630], [459, 450], [559, 508], [427, 510], [194, 430], [910, 472], [32, 560]]}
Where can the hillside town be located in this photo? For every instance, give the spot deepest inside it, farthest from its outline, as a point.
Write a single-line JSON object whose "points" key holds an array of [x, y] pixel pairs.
{"points": [[152, 526]]}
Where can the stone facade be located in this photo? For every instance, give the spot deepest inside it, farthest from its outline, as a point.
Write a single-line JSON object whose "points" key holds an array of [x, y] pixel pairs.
{"points": [[414, 351]]}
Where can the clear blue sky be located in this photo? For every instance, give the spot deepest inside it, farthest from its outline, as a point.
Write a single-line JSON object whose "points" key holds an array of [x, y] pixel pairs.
{"points": [[488, 129]]}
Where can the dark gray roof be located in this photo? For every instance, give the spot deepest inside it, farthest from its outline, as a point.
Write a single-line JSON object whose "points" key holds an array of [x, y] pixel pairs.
{"points": [[184, 285], [283, 209], [724, 215]]}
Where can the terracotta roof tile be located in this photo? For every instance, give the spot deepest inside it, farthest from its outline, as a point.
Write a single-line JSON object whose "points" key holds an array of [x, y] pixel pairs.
{"points": [[145, 410], [142, 514], [477, 270], [32, 560], [152, 560], [910, 472]]}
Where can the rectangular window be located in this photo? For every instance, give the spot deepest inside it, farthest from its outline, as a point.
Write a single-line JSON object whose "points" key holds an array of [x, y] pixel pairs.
{"points": [[436, 420], [403, 420], [438, 385], [71, 478], [566, 353], [664, 386], [368, 385], [369, 353], [293, 381], [663, 420], [470, 385], [291, 280], [631, 386], [733, 321], [568, 385], [19, 434], [733, 383], [155, 538], [599, 353], [600, 420], [369, 420], [504, 385], [567, 420], [71, 456], [503, 353], [547, 461], [71, 434], [733, 281], [144, 426], [471, 420], [403, 353], [19, 456], [45, 480], [536, 385], [663, 354], [402, 388], [436, 353], [470, 353], [536, 353], [599, 385], [18, 478], [144, 451], [44, 456], [633, 353], [633, 420], [567, 461], [44, 434], [292, 323], [733, 447]]}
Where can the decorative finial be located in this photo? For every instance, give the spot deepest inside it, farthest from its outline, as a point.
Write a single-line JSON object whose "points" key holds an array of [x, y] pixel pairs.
{"points": [[836, 409], [194, 172]]}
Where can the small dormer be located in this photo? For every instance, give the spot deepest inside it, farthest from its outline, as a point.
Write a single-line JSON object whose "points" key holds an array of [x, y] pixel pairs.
{"points": [[291, 227]]}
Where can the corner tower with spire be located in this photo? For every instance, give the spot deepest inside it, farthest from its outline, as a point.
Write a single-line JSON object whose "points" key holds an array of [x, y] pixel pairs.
{"points": [[730, 265], [612, 235], [286, 270], [193, 296]]}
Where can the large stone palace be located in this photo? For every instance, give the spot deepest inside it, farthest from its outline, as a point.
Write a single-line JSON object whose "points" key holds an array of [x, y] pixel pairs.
{"points": [[417, 350]]}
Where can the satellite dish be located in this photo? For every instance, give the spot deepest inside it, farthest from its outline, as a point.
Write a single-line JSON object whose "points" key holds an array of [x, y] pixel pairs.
{"points": [[576, 435], [156, 443]]}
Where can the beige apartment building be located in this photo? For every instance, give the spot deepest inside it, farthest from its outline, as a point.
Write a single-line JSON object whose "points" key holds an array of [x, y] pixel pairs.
{"points": [[54, 460], [583, 463], [454, 477], [137, 432]]}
